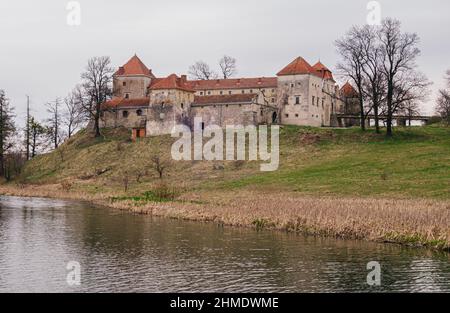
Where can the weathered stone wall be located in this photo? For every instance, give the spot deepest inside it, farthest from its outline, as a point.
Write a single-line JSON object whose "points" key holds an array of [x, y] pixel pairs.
{"points": [[124, 117], [134, 86], [167, 109], [316, 100]]}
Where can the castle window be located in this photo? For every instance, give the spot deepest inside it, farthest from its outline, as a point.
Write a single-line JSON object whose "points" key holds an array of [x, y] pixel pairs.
{"points": [[292, 85], [313, 100], [124, 84], [273, 90], [287, 115], [209, 92], [201, 93], [273, 100], [182, 105], [127, 96], [229, 92], [261, 112], [125, 114], [243, 91], [296, 115], [139, 112], [251, 90], [221, 92], [297, 99]]}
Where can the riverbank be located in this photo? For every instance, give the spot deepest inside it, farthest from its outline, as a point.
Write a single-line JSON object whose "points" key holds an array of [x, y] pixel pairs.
{"points": [[413, 222], [341, 183]]}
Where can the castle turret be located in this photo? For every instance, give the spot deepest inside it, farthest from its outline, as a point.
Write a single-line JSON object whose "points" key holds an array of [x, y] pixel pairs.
{"points": [[132, 79]]}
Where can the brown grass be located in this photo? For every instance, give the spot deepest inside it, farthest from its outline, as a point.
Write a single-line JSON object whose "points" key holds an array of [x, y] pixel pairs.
{"points": [[413, 222]]}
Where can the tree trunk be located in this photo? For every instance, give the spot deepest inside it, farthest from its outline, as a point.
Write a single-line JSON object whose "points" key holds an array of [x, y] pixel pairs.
{"points": [[97, 126], [361, 110], [389, 123], [377, 121]]}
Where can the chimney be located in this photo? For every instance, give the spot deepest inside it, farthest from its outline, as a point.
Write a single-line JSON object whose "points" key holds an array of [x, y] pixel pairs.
{"points": [[183, 78]]}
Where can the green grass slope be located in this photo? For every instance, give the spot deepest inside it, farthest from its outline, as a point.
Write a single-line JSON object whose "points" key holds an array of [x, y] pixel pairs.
{"points": [[313, 161]]}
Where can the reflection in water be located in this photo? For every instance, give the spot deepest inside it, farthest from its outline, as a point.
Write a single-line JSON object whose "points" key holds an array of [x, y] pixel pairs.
{"points": [[123, 252]]}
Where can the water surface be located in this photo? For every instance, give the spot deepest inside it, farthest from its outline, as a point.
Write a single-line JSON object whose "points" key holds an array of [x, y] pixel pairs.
{"points": [[122, 252]]}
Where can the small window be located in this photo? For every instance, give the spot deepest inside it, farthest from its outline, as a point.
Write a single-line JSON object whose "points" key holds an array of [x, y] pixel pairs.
{"points": [[313, 100], [127, 96], [139, 112], [251, 90], [273, 90], [296, 115], [273, 100], [201, 93], [287, 115], [261, 112], [292, 85], [125, 113], [243, 91], [297, 99], [221, 92], [182, 105], [229, 92], [209, 92], [124, 84]]}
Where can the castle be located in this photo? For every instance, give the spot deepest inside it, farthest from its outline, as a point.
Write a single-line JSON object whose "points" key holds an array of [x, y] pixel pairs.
{"points": [[300, 94]]}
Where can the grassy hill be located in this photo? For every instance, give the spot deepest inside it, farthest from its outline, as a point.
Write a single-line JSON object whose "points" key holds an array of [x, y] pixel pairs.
{"points": [[342, 183], [318, 162]]}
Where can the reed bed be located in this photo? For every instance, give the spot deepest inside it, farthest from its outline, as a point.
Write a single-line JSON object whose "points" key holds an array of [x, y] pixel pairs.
{"points": [[416, 222]]}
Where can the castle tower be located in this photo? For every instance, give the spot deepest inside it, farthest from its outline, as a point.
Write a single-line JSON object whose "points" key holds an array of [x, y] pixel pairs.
{"points": [[132, 79], [170, 102]]}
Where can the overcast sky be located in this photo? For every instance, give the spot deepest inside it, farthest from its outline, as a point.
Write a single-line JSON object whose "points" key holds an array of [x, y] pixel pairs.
{"points": [[42, 56]]}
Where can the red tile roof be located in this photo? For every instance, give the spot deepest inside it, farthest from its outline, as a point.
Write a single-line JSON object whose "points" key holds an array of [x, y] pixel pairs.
{"points": [[298, 66], [234, 83], [323, 71], [172, 82], [225, 99], [348, 91], [134, 66], [119, 102]]}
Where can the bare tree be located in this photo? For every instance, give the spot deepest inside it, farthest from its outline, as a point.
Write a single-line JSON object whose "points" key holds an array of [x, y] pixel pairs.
{"points": [[410, 109], [159, 164], [201, 71], [403, 82], [374, 82], [351, 48], [54, 122], [73, 115], [228, 66], [443, 101], [7, 130], [96, 88]]}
